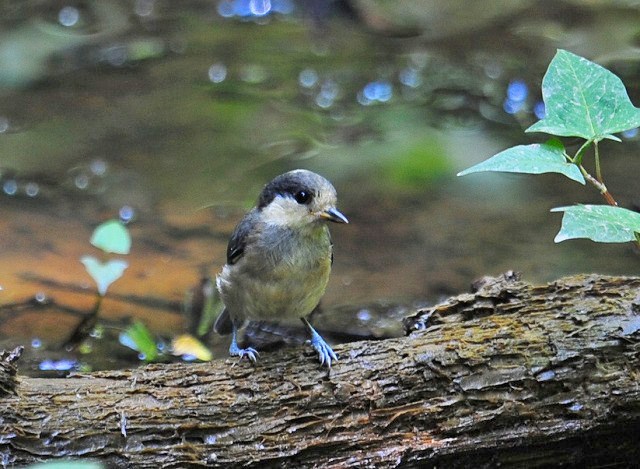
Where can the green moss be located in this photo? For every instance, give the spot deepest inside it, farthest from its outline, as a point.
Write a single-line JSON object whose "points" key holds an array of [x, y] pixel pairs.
{"points": [[418, 165]]}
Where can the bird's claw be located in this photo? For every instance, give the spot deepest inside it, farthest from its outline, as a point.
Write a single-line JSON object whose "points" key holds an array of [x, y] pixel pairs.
{"points": [[325, 352], [235, 351], [249, 352]]}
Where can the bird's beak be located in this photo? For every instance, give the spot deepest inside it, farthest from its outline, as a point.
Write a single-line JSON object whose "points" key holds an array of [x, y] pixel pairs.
{"points": [[334, 215]]}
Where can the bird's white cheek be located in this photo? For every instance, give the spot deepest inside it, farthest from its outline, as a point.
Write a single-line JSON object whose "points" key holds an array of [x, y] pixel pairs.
{"points": [[286, 212]]}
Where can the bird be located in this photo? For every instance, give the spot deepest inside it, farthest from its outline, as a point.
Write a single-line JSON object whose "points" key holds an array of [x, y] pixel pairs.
{"points": [[279, 258]]}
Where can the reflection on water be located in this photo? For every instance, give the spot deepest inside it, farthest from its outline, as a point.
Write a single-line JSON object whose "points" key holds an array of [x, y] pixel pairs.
{"points": [[171, 117]]}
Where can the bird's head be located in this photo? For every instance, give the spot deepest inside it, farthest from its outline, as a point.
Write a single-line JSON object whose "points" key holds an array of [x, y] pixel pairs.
{"points": [[299, 198]]}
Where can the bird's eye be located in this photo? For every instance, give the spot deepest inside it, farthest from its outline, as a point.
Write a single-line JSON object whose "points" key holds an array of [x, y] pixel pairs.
{"points": [[303, 197]]}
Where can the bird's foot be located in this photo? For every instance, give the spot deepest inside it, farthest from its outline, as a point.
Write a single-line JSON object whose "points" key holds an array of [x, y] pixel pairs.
{"points": [[325, 353], [235, 351], [249, 352]]}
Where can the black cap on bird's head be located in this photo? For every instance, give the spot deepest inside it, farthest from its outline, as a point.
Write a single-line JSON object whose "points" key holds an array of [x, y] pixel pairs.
{"points": [[305, 193]]}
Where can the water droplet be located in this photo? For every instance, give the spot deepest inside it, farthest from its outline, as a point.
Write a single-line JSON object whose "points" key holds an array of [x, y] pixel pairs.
{"points": [[330, 90], [68, 16], [493, 70], [381, 91], [10, 187], [217, 73], [41, 297], [517, 91], [36, 343], [57, 365], [126, 213], [226, 9], [308, 78], [98, 167], [81, 181], [259, 7], [364, 315], [539, 110], [32, 189], [512, 107], [323, 101], [410, 77], [241, 8]]}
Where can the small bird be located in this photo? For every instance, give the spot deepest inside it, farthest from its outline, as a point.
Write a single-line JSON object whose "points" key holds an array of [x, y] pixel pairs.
{"points": [[279, 259]]}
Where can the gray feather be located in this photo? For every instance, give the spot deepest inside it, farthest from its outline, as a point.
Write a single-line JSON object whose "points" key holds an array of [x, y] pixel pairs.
{"points": [[238, 241], [223, 325]]}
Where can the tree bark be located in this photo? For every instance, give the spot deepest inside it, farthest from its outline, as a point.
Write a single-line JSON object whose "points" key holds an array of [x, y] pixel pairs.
{"points": [[512, 375]]}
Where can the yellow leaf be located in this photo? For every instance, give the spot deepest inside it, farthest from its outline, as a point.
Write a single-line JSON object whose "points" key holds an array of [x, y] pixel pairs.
{"points": [[186, 344]]}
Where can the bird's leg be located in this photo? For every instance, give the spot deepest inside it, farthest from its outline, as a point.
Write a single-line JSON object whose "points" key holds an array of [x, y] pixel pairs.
{"points": [[235, 351], [325, 353]]}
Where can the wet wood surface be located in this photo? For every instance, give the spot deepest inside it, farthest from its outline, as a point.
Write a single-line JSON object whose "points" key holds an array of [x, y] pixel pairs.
{"points": [[512, 375]]}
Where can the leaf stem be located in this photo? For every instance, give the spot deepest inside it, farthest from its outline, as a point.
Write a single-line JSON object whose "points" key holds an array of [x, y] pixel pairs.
{"points": [[578, 158], [597, 155], [599, 185], [595, 181]]}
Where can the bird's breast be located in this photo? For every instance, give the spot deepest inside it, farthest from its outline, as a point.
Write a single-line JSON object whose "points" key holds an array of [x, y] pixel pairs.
{"points": [[283, 276]]}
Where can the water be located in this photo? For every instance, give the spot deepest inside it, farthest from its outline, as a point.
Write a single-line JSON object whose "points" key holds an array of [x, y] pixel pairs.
{"points": [[171, 116]]}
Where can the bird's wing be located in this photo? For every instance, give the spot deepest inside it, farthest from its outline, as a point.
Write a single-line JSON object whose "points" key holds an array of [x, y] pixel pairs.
{"points": [[331, 246], [238, 240], [223, 324]]}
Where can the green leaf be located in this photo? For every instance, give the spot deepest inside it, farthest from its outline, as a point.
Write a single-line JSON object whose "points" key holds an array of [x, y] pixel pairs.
{"points": [[112, 237], [104, 274], [583, 99], [530, 159], [139, 338], [600, 223]]}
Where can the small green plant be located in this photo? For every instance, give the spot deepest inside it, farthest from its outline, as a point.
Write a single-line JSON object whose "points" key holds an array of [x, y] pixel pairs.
{"points": [[584, 100], [140, 339], [202, 305], [112, 237]]}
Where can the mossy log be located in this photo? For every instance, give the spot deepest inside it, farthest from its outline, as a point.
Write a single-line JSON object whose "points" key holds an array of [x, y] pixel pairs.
{"points": [[512, 375]]}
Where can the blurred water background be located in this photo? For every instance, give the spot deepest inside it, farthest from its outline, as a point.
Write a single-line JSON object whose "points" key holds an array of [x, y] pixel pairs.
{"points": [[172, 115]]}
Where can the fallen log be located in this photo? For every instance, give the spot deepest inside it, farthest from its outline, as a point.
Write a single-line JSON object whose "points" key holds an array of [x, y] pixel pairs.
{"points": [[512, 375]]}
